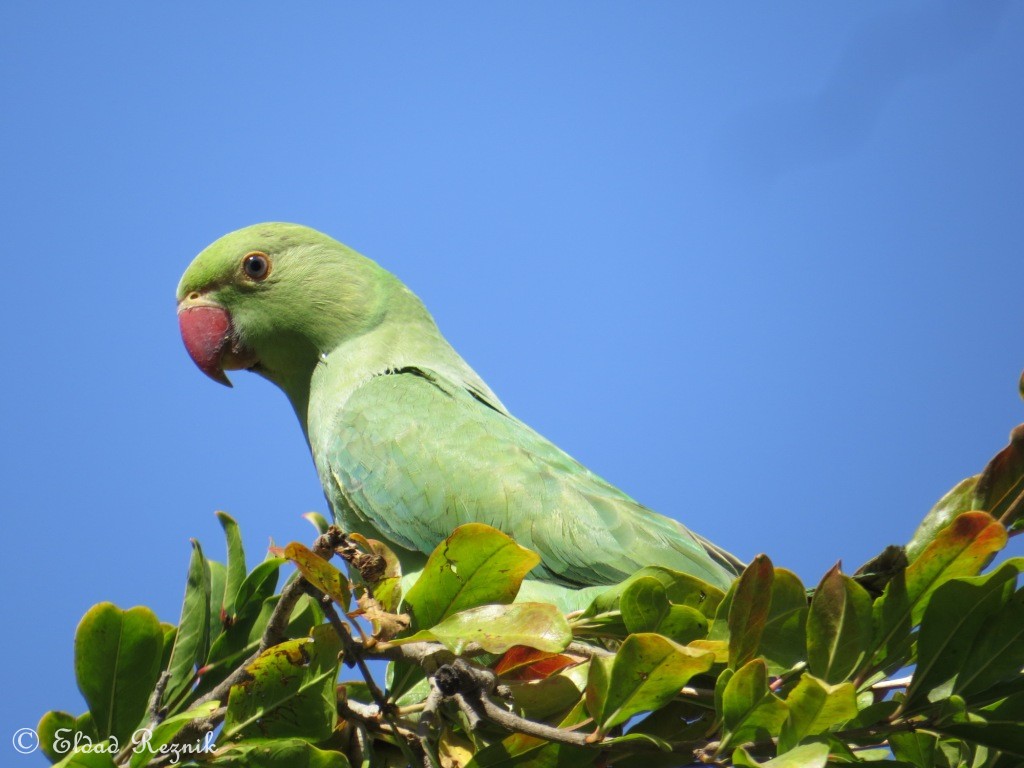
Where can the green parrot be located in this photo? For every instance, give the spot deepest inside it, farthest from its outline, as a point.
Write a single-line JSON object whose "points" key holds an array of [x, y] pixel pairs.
{"points": [[408, 441]]}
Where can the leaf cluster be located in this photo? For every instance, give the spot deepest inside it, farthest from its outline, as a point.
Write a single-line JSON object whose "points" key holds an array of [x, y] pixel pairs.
{"points": [[915, 660]]}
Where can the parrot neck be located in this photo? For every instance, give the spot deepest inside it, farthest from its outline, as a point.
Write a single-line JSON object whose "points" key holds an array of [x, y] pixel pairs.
{"points": [[324, 371]]}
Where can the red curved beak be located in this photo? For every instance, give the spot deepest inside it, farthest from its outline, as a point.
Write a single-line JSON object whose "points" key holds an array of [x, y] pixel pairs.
{"points": [[206, 331]]}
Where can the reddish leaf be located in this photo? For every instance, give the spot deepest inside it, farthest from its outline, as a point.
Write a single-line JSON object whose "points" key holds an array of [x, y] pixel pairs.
{"points": [[961, 549], [523, 663]]}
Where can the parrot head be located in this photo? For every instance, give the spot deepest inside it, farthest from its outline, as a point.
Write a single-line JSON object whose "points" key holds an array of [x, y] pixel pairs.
{"points": [[272, 298]]}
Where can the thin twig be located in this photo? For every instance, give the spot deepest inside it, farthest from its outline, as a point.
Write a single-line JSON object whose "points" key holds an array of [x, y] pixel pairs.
{"points": [[1013, 510], [473, 718], [156, 712], [428, 721], [354, 652], [470, 686], [590, 651], [513, 722]]}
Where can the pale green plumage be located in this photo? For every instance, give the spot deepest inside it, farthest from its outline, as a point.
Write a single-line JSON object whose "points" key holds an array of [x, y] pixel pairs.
{"points": [[408, 441]]}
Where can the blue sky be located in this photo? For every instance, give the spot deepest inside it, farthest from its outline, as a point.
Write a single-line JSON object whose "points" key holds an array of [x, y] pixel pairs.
{"points": [[758, 265]]}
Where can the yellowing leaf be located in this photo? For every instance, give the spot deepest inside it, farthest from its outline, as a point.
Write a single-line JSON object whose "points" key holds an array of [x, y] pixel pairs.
{"points": [[476, 565], [814, 707], [961, 549], [320, 573], [496, 628]]}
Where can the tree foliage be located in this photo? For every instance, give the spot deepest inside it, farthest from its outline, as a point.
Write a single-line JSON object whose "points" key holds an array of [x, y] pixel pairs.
{"points": [[914, 660]]}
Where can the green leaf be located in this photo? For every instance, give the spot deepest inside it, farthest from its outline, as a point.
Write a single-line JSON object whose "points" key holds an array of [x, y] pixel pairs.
{"points": [[873, 714], [838, 627], [680, 589], [117, 663], [291, 692], [156, 741], [914, 747], [748, 613], [784, 640], [101, 756], [679, 720], [598, 679], [476, 565], [236, 569], [720, 684], [259, 585], [277, 753], [191, 644], [306, 615], [743, 759], [645, 739], [998, 653], [647, 672], [170, 632], [953, 753], [241, 638], [805, 756], [645, 607], [496, 628], [644, 603], [318, 521], [891, 642], [415, 689], [815, 707], [683, 624], [49, 725], [541, 699], [959, 611], [320, 573], [218, 577], [1006, 736], [750, 711]]}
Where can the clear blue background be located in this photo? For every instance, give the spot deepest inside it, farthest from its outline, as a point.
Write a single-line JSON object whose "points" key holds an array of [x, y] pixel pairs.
{"points": [[760, 265]]}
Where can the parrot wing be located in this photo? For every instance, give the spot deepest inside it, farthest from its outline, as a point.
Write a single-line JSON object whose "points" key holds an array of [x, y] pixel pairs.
{"points": [[414, 455]]}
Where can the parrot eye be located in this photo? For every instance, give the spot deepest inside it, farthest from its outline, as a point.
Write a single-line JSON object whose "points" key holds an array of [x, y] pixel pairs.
{"points": [[256, 265]]}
